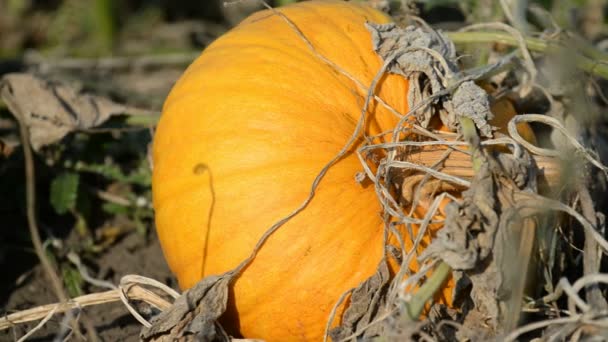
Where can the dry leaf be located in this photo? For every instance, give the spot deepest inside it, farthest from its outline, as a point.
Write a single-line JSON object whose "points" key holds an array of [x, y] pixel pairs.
{"points": [[194, 315], [487, 235], [409, 48], [366, 304], [52, 110], [427, 58], [471, 101]]}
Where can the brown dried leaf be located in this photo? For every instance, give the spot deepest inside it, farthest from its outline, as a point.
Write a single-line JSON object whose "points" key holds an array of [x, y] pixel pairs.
{"points": [[52, 110], [427, 58], [488, 235], [470, 228], [194, 315], [409, 46], [366, 305], [389, 40], [470, 101]]}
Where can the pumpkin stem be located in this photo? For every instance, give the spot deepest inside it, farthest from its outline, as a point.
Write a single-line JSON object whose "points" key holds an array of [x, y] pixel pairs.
{"points": [[427, 291], [470, 135]]}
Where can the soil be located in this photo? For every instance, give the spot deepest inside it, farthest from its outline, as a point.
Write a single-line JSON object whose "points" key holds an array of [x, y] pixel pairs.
{"points": [[112, 321]]}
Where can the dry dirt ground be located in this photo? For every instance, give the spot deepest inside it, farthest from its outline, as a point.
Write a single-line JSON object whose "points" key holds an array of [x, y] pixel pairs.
{"points": [[134, 254]]}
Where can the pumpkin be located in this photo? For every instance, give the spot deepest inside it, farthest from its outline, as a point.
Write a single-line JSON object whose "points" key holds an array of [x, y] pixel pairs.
{"points": [[242, 136]]}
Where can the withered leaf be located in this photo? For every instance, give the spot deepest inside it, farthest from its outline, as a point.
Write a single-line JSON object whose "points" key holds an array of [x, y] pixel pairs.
{"points": [[469, 232], [427, 58], [409, 44], [366, 304], [193, 316], [52, 110], [486, 233], [470, 100], [409, 47]]}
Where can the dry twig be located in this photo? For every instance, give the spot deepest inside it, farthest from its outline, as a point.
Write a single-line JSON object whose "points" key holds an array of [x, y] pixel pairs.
{"points": [[131, 288]]}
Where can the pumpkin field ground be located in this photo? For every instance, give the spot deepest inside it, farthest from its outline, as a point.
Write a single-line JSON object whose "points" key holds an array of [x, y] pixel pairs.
{"points": [[111, 320], [76, 205]]}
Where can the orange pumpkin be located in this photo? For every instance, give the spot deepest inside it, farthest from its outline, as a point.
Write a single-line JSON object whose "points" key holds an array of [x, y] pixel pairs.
{"points": [[242, 136]]}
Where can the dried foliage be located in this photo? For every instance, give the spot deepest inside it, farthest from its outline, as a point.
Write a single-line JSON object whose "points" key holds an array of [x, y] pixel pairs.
{"points": [[51, 111]]}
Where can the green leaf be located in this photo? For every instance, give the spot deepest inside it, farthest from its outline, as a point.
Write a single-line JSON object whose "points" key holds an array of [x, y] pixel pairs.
{"points": [[280, 3], [16, 8], [140, 176], [114, 209], [431, 4], [73, 281], [64, 192], [104, 23]]}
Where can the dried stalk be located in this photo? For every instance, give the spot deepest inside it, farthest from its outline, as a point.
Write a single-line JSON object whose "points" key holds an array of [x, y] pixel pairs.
{"points": [[459, 164], [130, 286], [594, 65]]}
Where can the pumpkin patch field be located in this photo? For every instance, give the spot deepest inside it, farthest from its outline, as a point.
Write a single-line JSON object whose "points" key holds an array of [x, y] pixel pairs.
{"points": [[319, 170]]}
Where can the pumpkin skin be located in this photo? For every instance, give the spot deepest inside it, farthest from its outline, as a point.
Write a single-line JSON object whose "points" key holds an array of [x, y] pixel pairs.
{"points": [[242, 136]]}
